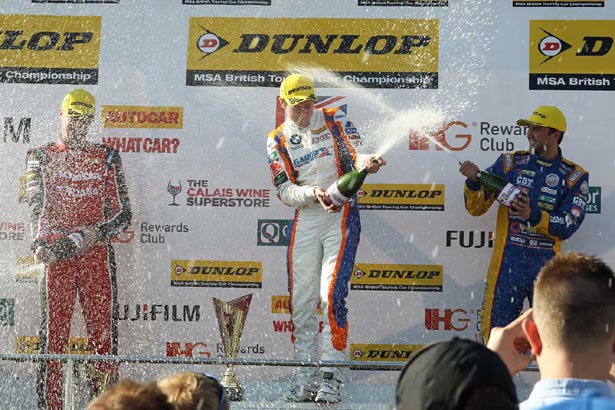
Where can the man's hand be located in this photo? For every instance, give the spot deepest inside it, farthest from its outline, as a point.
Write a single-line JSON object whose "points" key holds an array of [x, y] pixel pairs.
{"points": [[321, 196], [469, 170], [373, 163], [90, 238], [43, 255], [512, 345], [520, 206]]}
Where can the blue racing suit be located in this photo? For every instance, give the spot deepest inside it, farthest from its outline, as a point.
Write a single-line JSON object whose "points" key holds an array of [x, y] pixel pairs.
{"points": [[558, 192]]}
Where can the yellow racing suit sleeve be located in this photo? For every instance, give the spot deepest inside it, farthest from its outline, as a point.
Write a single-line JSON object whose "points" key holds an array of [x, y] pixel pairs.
{"points": [[477, 201]]}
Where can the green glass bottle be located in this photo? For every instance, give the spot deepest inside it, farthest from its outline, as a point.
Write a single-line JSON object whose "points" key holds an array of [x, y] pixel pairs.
{"points": [[504, 191], [345, 187]]}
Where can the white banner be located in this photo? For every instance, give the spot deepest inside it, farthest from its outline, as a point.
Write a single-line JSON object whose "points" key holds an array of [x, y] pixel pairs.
{"points": [[206, 219]]}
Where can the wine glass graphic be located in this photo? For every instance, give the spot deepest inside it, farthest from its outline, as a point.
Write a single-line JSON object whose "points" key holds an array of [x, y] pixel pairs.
{"points": [[174, 187]]}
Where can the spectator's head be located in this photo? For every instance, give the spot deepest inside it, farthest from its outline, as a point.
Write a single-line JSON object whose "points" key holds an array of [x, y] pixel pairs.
{"points": [[131, 395], [194, 391], [455, 375], [574, 303]]}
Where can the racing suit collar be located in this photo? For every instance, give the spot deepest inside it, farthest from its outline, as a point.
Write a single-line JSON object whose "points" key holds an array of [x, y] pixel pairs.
{"points": [[548, 162], [61, 144]]}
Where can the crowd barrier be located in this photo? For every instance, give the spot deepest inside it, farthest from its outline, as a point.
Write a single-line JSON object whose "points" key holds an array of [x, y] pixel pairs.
{"points": [[74, 366]]}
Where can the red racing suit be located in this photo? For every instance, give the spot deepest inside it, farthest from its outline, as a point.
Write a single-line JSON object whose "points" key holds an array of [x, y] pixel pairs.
{"points": [[558, 191], [65, 189], [322, 245]]}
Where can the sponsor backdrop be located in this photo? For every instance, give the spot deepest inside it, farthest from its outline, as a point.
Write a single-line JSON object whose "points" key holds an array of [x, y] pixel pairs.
{"points": [[187, 91]]}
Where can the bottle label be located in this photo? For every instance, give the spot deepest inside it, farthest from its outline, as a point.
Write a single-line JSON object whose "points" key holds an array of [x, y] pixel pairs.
{"points": [[335, 196], [508, 194]]}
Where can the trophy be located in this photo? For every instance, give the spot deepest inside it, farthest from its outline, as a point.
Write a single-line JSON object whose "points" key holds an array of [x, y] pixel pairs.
{"points": [[231, 318]]}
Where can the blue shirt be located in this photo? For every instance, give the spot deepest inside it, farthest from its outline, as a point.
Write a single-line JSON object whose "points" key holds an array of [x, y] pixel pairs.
{"points": [[570, 394]]}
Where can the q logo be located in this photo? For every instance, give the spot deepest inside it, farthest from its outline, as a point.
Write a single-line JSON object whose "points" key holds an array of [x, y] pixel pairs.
{"points": [[273, 232]]}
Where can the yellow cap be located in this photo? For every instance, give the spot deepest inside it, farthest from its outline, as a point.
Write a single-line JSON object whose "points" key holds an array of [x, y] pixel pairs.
{"points": [[546, 116], [79, 103], [297, 88]]}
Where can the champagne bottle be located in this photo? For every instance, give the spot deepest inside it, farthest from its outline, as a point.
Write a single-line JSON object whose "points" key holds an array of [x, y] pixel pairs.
{"points": [[504, 191], [345, 187], [67, 246]]}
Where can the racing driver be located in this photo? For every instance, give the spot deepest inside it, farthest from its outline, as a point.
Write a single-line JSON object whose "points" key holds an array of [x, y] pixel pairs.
{"points": [[307, 153], [77, 198], [529, 233]]}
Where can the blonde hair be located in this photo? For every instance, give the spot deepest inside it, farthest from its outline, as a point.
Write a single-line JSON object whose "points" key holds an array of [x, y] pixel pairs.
{"points": [[131, 395], [192, 391]]}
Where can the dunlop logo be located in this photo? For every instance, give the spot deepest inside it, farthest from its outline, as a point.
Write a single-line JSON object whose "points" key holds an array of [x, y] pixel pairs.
{"points": [[423, 278], [49, 49], [377, 53], [572, 55], [231, 274], [32, 345], [360, 352], [404, 197]]}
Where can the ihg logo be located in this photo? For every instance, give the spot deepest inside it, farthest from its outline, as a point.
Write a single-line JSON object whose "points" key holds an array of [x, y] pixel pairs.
{"points": [[273, 232]]}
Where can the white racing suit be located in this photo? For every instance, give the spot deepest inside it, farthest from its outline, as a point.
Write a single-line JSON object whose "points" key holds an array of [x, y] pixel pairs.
{"points": [[322, 245]]}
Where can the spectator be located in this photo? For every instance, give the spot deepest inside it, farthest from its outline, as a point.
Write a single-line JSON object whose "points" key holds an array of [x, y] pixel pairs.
{"points": [[195, 391], [455, 375], [131, 395], [570, 331]]}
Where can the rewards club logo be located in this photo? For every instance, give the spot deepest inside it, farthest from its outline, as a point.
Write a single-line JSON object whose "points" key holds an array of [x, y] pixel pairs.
{"points": [[456, 320], [187, 349]]}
